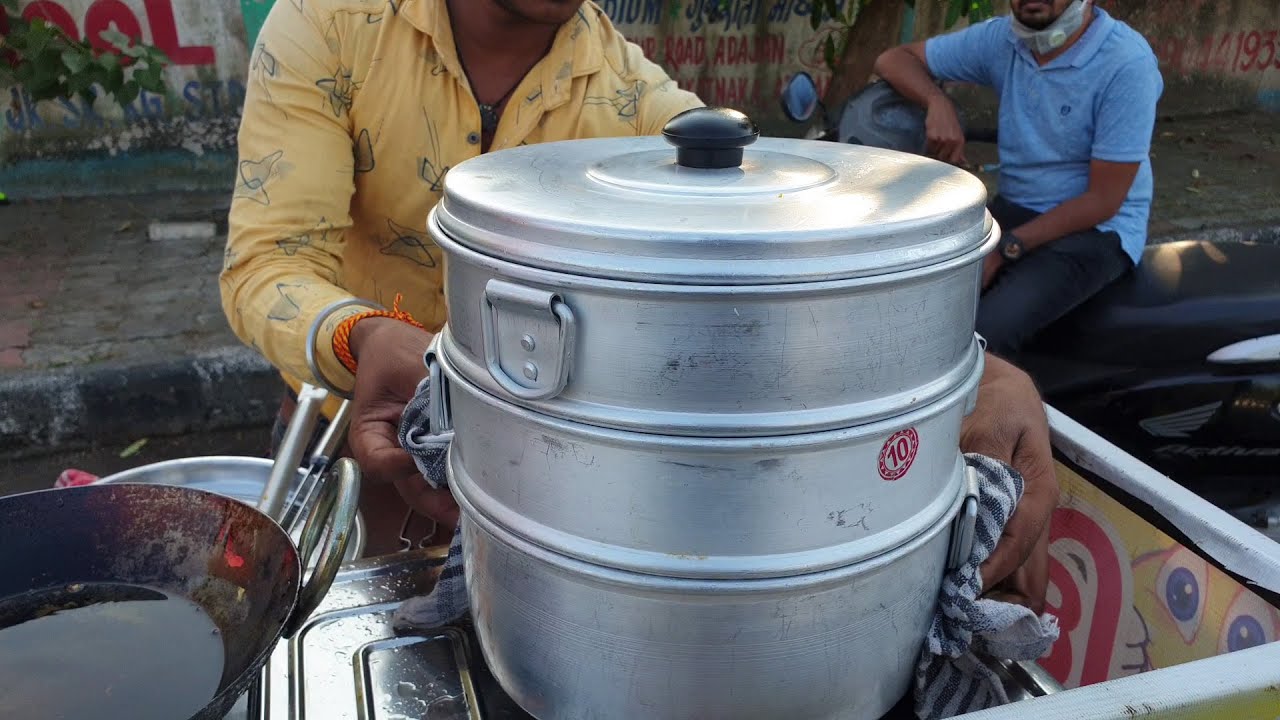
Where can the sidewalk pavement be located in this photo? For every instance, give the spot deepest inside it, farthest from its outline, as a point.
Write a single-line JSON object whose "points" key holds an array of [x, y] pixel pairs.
{"points": [[109, 336]]}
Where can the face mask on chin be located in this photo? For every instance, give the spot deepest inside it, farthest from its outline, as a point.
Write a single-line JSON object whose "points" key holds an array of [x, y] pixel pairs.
{"points": [[1043, 42]]}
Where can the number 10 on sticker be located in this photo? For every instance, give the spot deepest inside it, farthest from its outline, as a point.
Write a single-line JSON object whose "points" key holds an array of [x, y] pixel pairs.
{"points": [[898, 452]]}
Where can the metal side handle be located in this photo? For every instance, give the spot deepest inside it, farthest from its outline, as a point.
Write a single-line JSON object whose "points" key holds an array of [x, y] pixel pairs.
{"points": [[439, 414], [529, 339], [326, 533], [965, 524]]}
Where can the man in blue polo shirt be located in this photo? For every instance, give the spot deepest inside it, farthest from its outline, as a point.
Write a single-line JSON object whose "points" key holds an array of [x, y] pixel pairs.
{"points": [[1078, 92]]}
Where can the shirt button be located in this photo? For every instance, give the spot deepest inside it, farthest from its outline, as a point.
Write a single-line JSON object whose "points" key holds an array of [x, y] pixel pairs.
{"points": [[473, 138]]}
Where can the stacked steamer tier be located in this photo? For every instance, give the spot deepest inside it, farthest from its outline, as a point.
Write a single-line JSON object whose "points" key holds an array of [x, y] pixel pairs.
{"points": [[705, 404]]}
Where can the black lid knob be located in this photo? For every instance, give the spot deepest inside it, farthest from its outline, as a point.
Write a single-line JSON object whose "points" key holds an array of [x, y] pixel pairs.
{"points": [[710, 137]]}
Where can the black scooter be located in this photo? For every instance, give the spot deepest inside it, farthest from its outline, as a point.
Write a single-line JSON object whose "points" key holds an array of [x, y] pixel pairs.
{"points": [[1177, 363]]}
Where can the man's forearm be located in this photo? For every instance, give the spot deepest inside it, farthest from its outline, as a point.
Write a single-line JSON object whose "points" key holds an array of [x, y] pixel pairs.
{"points": [[273, 306], [909, 75], [1082, 212]]}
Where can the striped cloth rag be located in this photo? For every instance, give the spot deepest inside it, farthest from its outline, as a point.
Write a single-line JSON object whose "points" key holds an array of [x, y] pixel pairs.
{"points": [[951, 679]]}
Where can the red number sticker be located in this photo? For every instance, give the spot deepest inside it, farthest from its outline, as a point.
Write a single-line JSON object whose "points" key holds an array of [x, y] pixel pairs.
{"points": [[898, 453]]}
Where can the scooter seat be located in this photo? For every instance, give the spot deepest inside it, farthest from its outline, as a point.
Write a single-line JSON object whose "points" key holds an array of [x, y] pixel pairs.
{"points": [[1183, 301]]}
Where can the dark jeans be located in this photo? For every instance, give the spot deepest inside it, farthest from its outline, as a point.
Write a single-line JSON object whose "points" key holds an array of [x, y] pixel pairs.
{"points": [[1047, 283]]}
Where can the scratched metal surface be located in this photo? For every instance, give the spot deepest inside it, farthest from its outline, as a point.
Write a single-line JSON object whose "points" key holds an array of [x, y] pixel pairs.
{"points": [[347, 662], [817, 286], [794, 211], [704, 508]]}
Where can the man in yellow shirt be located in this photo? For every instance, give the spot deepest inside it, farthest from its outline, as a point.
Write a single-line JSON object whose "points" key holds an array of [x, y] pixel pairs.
{"points": [[355, 111]]}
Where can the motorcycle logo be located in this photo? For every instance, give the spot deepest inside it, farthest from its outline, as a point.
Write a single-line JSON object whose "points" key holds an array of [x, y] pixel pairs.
{"points": [[1182, 423]]}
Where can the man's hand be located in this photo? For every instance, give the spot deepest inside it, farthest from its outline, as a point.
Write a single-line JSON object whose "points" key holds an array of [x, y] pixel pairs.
{"points": [[389, 367], [1009, 424], [945, 138], [906, 68]]}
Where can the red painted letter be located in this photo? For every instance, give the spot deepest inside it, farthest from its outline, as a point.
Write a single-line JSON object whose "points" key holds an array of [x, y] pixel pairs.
{"points": [[52, 13], [101, 15], [164, 34]]}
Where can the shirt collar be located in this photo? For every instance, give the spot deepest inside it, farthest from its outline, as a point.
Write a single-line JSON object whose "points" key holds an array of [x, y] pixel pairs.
{"points": [[576, 51], [1084, 49]]}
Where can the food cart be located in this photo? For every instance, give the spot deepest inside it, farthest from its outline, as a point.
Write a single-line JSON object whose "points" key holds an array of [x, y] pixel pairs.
{"points": [[1169, 608]]}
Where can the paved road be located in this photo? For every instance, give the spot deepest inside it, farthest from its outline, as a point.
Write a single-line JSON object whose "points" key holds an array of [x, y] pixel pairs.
{"points": [[39, 472]]}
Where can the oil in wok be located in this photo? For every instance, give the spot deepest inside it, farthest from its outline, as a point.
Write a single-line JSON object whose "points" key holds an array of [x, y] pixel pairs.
{"points": [[107, 652]]}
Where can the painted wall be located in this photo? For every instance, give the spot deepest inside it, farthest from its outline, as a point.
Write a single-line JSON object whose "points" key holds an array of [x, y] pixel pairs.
{"points": [[1216, 54], [206, 42], [737, 53]]}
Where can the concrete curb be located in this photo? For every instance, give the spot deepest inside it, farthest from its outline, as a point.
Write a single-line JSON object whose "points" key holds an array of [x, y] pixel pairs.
{"points": [[42, 412]]}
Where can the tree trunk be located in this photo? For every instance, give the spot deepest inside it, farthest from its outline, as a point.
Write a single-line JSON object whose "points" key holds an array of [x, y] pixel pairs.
{"points": [[875, 30]]}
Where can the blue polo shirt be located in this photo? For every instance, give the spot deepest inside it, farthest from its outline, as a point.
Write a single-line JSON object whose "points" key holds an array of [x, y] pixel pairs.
{"points": [[1096, 100]]}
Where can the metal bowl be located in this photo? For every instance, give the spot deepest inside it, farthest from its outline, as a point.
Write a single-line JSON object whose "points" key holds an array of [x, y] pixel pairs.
{"points": [[239, 478]]}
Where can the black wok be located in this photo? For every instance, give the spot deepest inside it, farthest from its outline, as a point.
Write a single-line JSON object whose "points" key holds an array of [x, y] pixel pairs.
{"points": [[66, 548]]}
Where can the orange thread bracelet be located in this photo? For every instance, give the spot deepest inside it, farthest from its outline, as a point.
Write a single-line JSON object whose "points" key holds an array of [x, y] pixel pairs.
{"points": [[342, 336]]}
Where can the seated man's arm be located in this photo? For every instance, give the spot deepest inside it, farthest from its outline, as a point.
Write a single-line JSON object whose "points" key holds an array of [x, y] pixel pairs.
{"points": [[914, 69], [1124, 122], [292, 194]]}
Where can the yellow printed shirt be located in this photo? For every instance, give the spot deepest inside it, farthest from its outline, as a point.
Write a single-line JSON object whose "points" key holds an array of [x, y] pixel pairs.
{"points": [[355, 111]]}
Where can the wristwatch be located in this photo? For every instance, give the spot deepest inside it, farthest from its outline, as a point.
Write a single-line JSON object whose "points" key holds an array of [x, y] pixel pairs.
{"points": [[1010, 247]]}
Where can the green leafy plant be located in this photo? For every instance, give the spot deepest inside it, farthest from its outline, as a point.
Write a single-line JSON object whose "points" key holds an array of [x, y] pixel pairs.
{"points": [[843, 14], [49, 64]]}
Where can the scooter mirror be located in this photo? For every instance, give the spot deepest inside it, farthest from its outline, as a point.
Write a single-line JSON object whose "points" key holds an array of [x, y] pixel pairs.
{"points": [[800, 97]]}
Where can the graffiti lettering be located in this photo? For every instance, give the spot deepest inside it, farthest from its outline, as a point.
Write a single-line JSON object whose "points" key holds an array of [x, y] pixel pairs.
{"points": [[698, 14], [80, 114], [741, 91], [649, 12], [21, 115], [745, 50], [729, 50], [1241, 52], [732, 15], [742, 14], [684, 50], [647, 45], [103, 15], [215, 98], [164, 33]]}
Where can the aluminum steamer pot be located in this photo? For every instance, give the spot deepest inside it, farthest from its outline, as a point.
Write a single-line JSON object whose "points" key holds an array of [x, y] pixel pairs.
{"points": [[707, 507], [572, 640], [791, 287], [705, 411]]}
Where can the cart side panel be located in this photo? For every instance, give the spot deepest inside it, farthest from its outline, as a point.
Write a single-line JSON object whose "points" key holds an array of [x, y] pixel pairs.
{"points": [[1142, 574], [1130, 598]]}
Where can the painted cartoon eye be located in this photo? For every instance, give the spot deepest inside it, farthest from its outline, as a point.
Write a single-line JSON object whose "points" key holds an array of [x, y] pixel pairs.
{"points": [[1244, 632], [1249, 622], [1180, 586], [1182, 594]]}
